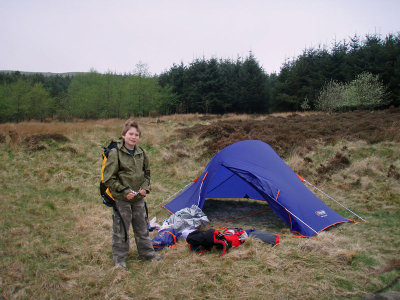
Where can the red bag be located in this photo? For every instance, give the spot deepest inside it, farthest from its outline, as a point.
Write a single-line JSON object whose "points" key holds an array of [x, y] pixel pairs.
{"points": [[235, 236]]}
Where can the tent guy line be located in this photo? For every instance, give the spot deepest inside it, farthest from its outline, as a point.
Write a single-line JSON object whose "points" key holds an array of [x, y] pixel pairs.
{"points": [[325, 194]]}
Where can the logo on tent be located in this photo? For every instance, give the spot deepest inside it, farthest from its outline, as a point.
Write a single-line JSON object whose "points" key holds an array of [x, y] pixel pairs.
{"points": [[321, 213]]}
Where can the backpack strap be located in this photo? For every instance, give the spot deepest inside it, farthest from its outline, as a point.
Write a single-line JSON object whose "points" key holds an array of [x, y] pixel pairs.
{"points": [[122, 220], [147, 212], [119, 164], [221, 242]]}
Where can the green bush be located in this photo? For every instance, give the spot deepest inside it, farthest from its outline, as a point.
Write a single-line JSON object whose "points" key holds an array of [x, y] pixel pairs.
{"points": [[366, 91], [330, 96], [306, 104]]}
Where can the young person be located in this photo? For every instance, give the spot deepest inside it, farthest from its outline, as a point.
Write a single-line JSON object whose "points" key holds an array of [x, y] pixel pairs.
{"points": [[127, 175]]}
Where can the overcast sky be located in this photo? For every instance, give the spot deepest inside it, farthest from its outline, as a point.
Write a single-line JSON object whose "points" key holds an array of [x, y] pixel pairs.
{"points": [[112, 35]]}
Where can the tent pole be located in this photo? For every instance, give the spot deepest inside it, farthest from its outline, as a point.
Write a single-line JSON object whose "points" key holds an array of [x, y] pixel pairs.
{"points": [[301, 220], [201, 186], [176, 193], [198, 201], [334, 200]]}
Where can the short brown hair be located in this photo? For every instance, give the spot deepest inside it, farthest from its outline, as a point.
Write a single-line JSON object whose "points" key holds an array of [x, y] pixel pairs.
{"points": [[128, 125]]}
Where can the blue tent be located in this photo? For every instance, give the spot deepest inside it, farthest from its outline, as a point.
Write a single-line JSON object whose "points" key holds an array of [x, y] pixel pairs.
{"points": [[252, 169]]}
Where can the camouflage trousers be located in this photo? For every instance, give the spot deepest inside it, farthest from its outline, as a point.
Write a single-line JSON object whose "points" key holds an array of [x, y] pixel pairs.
{"points": [[132, 213]]}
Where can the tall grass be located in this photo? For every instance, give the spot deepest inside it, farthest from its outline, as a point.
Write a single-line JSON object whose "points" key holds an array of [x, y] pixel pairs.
{"points": [[56, 235]]}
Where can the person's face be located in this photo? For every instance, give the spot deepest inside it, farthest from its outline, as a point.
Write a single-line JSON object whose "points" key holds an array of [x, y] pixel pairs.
{"points": [[131, 137]]}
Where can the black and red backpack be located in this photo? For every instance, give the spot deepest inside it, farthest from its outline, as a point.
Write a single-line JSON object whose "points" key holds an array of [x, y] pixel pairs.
{"points": [[235, 236], [202, 241]]}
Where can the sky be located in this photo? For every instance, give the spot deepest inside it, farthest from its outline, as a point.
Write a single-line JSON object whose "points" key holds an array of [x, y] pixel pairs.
{"points": [[119, 35]]}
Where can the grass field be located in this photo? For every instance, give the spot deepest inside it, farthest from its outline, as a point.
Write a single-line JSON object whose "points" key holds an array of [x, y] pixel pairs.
{"points": [[55, 235]]}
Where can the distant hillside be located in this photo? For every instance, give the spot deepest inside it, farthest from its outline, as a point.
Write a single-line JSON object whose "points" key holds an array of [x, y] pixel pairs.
{"points": [[48, 74]]}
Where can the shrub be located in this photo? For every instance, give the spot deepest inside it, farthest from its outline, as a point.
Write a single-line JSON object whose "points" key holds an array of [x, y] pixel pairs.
{"points": [[306, 104], [366, 91], [330, 96]]}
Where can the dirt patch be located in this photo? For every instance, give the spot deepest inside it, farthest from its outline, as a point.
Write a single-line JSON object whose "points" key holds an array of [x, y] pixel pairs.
{"points": [[34, 140], [299, 133], [69, 149], [340, 161], [36, 148], [392, 172], [42, 142], [14, 136], [243, 213]]}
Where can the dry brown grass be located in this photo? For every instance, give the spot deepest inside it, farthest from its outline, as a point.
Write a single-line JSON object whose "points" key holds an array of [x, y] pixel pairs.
{"points": [[56, 235], [300, 133]]}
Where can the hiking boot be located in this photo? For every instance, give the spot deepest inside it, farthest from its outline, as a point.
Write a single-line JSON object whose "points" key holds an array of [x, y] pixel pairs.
{"points": [[156, 257], [122, 265]]}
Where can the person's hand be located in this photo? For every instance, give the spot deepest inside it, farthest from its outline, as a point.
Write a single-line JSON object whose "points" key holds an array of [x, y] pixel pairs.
{"points": [[131, 195], [142, 192]]}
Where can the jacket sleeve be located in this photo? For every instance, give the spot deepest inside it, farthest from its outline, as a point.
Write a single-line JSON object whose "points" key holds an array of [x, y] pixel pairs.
{"points": [[111, 179], [146, 169]]}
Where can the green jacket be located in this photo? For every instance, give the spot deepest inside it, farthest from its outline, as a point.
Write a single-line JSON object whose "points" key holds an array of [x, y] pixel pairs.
{"points": [[131, 173]]}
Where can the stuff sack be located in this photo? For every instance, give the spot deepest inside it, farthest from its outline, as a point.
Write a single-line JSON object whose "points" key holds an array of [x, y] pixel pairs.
{"points": [[267, 238], [202, 241], [165, 238]]}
